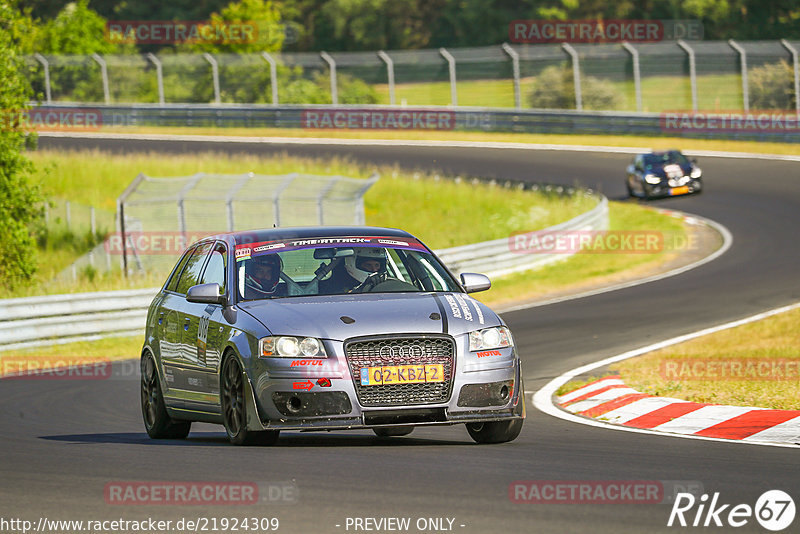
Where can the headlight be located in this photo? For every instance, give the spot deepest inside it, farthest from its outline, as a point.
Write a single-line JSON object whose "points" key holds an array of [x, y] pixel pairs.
{"points": [[497, 337], [696, 172], [652, 179], [291, 347]]}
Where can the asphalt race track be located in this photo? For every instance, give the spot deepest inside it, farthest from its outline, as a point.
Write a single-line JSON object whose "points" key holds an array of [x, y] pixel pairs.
{"points": [[64, 441]]}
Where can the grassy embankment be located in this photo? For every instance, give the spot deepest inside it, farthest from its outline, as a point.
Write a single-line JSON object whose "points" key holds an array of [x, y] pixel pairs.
{"points": [[413, 202]]}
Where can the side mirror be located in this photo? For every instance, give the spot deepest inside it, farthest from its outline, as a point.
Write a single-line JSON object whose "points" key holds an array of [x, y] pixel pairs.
{"points": [[474, 282], [206, 294]]}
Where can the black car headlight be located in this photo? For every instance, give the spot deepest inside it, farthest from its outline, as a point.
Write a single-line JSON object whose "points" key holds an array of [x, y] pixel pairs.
{"points": [[497, 337], [291, 347]]}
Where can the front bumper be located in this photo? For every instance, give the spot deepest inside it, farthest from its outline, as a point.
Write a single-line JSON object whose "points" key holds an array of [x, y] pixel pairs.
{"points": [[663, 190], [493, 392]]}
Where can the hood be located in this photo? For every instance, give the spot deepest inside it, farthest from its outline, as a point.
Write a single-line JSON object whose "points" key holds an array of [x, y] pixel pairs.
{"points": [[340, 317], [661, 172]]}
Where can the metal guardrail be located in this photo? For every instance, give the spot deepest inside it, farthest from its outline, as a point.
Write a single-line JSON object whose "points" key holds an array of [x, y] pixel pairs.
{"points": [[678, 124], [496, 258], [32, 321]]}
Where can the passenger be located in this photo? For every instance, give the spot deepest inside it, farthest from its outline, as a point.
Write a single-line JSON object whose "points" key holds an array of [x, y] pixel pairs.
{"points": [[263, 277]]}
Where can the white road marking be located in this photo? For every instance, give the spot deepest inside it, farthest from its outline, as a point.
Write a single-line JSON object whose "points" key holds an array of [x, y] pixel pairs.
{"points": [[727, 241], [543, 398]]}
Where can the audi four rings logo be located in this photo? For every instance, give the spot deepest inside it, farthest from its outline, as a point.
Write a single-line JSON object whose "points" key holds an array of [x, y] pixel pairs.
{"points": [[400, 351]]}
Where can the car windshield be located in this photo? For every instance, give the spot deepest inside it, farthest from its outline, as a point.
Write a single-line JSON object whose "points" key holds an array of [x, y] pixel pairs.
{"points": [[667, 158], [336, 266]]}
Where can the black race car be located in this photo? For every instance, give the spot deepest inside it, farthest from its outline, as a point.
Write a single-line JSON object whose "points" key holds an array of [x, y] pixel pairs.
{"points": [[663, 174]]}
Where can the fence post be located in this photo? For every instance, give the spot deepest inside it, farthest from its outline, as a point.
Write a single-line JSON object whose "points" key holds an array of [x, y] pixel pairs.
{"points": [[637, 75], [515, 69], [104, 74], [389, 73], [159, 76], [360, 215], [334, 86], [792, 50], [181, 197], [67, 214], [121, 213], [692, 71], [214, 75], [451, 63], [743, 62], [46, 66], [273, 76], [276, 197], [232, 193], [92, 221], [321, 197], [576, 74]]}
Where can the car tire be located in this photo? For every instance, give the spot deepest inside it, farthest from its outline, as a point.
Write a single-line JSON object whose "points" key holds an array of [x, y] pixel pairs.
{"points": [[495, 431], [628, 187], [157, 422], [234, 408], [393, 431]]}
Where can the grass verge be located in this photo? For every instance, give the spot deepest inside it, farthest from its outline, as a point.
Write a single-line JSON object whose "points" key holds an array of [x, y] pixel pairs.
{"points": [[584, 269], [763, 357], [70, 354]]}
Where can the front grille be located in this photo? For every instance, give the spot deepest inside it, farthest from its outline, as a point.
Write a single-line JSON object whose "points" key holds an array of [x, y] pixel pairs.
{"points": [[401, 350]]}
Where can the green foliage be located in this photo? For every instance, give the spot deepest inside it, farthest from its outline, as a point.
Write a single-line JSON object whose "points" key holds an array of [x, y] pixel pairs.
{"points": [[268, 36], [554, 88], [77, 29], [772, 86], [19, 201]]}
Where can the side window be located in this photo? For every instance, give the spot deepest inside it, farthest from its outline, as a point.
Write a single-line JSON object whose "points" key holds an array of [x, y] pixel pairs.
{"points": [[639, 164], [191, 273], [215, 269], [176, 274]]}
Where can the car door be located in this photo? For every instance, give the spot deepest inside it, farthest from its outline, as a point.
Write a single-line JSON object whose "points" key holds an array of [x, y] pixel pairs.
{"points": [[168, 330], [182, 368], [205, 334]]}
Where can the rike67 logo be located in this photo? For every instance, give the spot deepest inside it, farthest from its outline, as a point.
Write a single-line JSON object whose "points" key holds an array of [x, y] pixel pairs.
{"points": [[774, 510]]}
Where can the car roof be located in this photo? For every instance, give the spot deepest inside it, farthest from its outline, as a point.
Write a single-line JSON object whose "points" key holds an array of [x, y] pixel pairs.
{"points": [[662, 152], [303, 232]]}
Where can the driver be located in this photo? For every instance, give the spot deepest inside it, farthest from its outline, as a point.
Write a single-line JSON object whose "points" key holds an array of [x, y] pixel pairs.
{"points": [[262, 277], [355, 269]]}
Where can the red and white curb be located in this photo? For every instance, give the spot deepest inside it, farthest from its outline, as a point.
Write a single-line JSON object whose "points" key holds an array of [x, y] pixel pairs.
{"points": [[708, 421], [609, 399]]}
